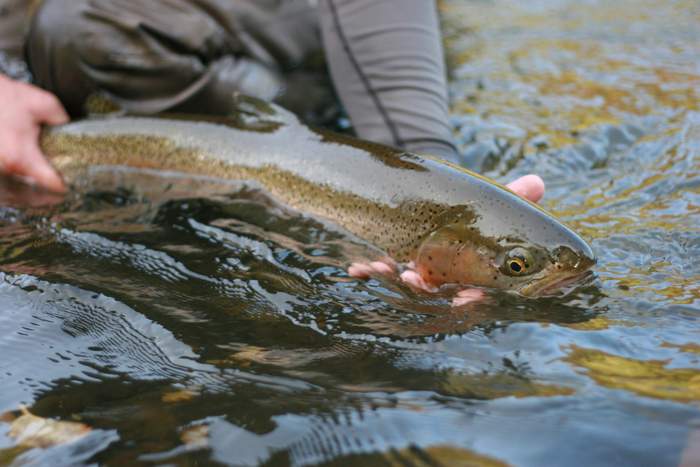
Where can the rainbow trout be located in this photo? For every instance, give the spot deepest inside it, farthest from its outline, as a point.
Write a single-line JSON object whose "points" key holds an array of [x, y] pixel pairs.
{"points": [[455, 226]]}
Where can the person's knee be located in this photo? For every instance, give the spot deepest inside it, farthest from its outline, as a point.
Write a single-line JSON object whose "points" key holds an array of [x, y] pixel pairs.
{"points": [[56, 35], [56, 23], [148, 56]]}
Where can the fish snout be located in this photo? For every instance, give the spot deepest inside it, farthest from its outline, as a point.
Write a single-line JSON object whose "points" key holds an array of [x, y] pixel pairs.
{"points": [[575, 260], [570, 268]]}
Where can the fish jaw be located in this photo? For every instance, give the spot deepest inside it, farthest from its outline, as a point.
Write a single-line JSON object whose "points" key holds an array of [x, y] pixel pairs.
{"points": [[569, 269], [556, 283]]}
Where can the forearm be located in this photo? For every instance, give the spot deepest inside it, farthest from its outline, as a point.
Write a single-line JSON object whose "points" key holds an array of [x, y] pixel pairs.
{"points": [[387, 63]]}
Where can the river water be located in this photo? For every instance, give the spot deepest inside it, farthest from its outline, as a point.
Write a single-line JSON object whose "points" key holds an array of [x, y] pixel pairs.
{"points": [[187, 322]]}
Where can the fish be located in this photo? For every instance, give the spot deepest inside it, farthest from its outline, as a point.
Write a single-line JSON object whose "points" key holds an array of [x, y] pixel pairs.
{"points": [[455, 226]]}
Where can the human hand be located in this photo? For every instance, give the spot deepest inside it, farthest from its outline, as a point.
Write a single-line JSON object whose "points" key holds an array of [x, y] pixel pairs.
{"points": [[530, 187], [24, 109]]}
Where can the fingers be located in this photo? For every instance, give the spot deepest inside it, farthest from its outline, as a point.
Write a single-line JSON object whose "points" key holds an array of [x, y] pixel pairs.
{"points": [[413, 279], [32, 165], [382, 268], [466, 296], [366, 270], [360, 270], [530, 187], [46, 108], [24, 108]]}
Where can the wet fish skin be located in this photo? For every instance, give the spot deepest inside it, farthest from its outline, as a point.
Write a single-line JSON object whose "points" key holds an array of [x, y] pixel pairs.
{"points": [[456, 226]]}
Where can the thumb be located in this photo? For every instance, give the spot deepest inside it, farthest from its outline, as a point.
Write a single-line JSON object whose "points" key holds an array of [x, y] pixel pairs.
{"points": [[35, 167], [530, 187], [46, 108]]}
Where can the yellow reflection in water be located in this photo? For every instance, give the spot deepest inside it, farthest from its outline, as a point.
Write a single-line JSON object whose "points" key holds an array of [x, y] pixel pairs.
{"points": [[441, 455], [599, 323], [687, 348], [548, 68], [31, 431], [498, 385], [650, 378]]}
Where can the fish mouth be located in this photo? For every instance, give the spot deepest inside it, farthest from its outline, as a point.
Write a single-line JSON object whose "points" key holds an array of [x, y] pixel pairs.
{"points": [[558, 284]]}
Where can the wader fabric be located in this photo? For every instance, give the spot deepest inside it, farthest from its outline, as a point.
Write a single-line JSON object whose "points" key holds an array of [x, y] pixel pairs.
{"points": [[151, 56], [14, 18], [14, 21], [385, 59]]}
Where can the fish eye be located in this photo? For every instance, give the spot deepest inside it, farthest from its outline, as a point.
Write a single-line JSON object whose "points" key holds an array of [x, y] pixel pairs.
{"points": [[518, 262]]}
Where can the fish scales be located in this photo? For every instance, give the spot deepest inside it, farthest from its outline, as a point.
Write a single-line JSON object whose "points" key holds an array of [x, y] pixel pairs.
{"points": [[395, 229]]}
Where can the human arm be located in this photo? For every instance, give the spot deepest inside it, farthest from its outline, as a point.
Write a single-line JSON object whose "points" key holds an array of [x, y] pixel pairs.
{"points": [[24, 109], [387, 64]]}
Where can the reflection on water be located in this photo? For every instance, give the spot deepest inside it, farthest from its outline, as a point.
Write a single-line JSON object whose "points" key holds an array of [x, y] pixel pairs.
{"points": [[188, 321]]}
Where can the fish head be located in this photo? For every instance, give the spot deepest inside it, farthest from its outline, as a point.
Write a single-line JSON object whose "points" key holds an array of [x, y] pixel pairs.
{"points": [[511, 245]]}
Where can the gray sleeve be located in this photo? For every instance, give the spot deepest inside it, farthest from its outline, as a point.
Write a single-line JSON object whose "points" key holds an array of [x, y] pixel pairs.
{"points": [[387, 64]]}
